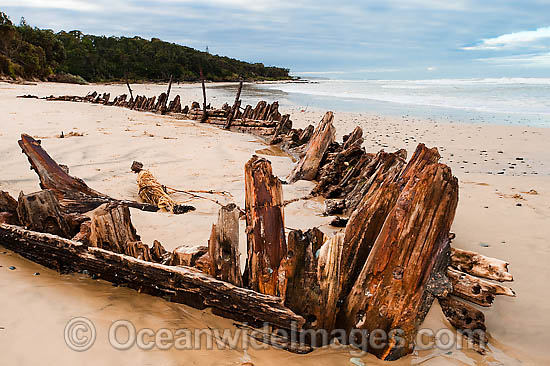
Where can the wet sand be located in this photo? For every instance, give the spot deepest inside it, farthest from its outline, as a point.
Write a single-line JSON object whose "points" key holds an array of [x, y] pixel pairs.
{"points": [[188, 155]]}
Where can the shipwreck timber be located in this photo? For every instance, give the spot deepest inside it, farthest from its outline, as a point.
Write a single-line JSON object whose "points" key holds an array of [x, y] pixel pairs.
{"points": [[383, 271]]}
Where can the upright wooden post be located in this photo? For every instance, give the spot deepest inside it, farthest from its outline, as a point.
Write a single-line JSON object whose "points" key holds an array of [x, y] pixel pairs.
{"points": [[235, 107], [223, 246], [204, 112], [265, 226], [163, 106], [129, 89], [406, 267], [308, 166]]}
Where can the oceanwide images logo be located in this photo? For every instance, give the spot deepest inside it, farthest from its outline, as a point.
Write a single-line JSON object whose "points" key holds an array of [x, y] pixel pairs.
{"points": [[80, 335]]}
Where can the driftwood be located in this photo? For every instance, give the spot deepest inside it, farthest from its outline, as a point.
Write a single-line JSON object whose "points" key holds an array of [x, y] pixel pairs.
{"points": [[265, 226], [308, 165], [73, 194]]}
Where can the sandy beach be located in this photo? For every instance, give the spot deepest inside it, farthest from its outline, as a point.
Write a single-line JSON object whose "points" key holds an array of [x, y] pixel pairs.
{"points": [[503, 212]]}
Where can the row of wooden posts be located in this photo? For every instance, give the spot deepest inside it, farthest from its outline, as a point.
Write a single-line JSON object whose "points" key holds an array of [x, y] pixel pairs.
{"points": [[383, 271]]}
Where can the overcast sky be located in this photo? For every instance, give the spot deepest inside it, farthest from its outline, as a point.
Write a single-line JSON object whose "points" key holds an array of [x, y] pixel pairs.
{"points": [[383, 39]]}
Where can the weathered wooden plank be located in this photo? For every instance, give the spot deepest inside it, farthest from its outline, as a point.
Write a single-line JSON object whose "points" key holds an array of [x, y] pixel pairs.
{"points": [[479, 265], [178, 284], [475, 289]]}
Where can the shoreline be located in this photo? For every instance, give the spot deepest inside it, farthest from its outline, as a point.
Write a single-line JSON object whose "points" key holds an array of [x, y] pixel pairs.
{"points": [[487, 211]]}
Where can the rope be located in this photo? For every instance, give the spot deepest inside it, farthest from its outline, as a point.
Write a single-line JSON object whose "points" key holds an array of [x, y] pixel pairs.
{"points": [[151, 191]]}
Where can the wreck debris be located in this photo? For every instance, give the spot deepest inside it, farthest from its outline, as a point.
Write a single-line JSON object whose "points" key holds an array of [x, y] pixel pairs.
{"points": [[204, 116], [235, 107], [308, 166], [177, 284], [8, 209], [265, 226], [312, 271], [40, 211], [382, 272], [403, 260], [73, 194], [466, 319], [475, 289], [223, 246], [480, 265], [151, 191]]}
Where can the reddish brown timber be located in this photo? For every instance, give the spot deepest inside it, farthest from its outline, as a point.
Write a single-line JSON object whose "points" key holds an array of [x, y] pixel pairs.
{"points": [[475, 289], [266, 241], [73, 194], [383, 166], [406, 267], [223, 246], [308, 166]]}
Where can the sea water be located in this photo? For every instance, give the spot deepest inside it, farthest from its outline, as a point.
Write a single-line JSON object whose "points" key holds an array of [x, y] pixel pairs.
{"points": [[518, 101]]}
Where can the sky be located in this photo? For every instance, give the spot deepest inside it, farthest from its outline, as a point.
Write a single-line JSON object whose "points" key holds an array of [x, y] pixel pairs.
{"points": [[344, 39]]}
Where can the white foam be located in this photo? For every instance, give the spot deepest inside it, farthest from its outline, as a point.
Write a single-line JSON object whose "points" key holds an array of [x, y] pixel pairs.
{"points": [[496, 95]]}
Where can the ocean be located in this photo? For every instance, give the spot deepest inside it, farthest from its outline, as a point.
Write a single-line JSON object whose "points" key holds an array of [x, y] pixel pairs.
{"points": [[517, 101]]}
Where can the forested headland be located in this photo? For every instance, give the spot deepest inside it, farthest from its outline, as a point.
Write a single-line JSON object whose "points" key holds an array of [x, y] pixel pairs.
{"points": [[28, 52]]}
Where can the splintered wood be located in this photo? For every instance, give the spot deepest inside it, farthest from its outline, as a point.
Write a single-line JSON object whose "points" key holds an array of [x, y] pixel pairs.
{"points": [[265, 226], [382, 272], [323, 136], [223, 246]]}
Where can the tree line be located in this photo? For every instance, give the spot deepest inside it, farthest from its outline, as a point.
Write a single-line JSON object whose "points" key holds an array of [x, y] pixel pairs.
{"points": [[32, 53]]}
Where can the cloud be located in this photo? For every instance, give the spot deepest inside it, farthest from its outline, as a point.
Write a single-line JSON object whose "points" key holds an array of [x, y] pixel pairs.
{"points": [[74, 5], [432, 4], [526, 60], [340, 72], [247, 5], [511, 40]]}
